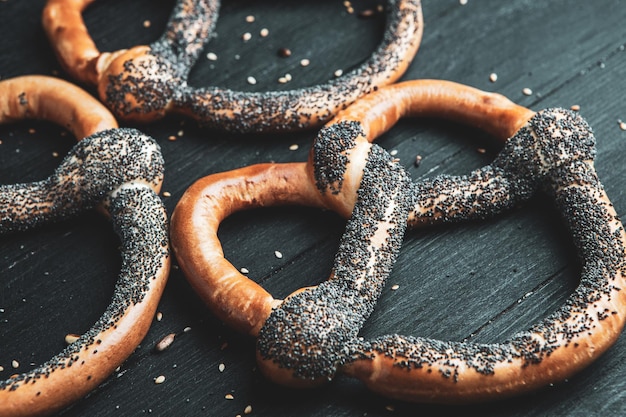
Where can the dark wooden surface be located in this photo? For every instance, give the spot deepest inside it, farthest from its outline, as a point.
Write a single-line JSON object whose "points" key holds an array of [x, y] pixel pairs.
{"points": [[480, 281]]}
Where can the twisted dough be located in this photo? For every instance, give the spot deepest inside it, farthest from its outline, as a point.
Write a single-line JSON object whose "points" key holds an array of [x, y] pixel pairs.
{"points": [[119, 169], [146, 82], [312, 334]]}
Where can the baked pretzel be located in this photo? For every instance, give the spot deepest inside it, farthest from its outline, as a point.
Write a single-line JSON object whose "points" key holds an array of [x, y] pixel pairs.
{"points": [[312, 334], [119, 170], [144, 83]]}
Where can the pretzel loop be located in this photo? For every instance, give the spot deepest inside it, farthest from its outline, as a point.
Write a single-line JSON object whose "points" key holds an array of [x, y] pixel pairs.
{"points": [[144, 83], [312, 334], [118, 170]]}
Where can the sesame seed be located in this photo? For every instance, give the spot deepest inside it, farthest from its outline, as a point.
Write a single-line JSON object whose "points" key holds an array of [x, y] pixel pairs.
{"points": [[293, 147], [159, 379], [395, 287], [283, 80], [187, 329], [15, 364], [575, 107], [284, 52], [481, 150], [246, 36], [71, 338], [394, 152], [159, 316], [527, 91], [1, 368], [229, 397], [180, 133], [278, 254], [167, 194], [418, 160], [493, 77], [221, 367], [171, 138], [248, 409], [31, 130], [338, 73], [622, 125], [165, 342], [462, 2], [366, 13], [244, 270], [147, 23], [304, 62], [264, 32], [390, 408], [251, 80], [55, 154], [211, 56], [250, 19]]}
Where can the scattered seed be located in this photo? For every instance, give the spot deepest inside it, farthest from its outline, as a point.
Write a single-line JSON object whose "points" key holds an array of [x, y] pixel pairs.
{"points": [[1, 368], [347, 4], [622, 125], [350, 10], [250, 19], [246, 36], [159, 379], [55, 154], [527, 91], [71, 338], [304, 62], [462, 2], [167, 194], [229, 397], [284, 52], [251, 80], [224, 346], [278, 254], [481, 150], [264, 32], [283, 80], [31, 130], [180, 133], [159, 316], [187, 329], [338, 73], [15, 364], [288, 77], [293, 147], [211, 56], [171, 138], [390, 408], [147, 23], [395, 287], [221, 367], [366, 13], [165, 342], [380, 8], [244, 270], [493, 77], [394, 152], [418, 160], [248, 409]]}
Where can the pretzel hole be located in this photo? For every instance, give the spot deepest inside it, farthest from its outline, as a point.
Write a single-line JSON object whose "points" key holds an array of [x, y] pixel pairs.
{"points": [[230, 70]]}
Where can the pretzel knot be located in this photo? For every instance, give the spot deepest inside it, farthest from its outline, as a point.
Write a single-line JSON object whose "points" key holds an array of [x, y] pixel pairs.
{"points": [[119, 170], [314, 333], [144, 83]]}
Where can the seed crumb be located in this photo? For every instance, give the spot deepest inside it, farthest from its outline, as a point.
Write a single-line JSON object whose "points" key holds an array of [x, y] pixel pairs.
{"points": [[395, 287], [293, 147], [284, 52], [165, 342], [251, 80], [264, 32], [221, 367], [159, 316], [229, 397], [171, 138], [493, 77], [167, 194], [71, 338], [31, 130], [622, 125], [418, 160], [180, 133], [305, 62], [575, 107], [246, 36], [338, 73], [394, 152], [481, 150], [366, 13], [1, 368], [159, 379], [278, 254], [462, 2], [527, 91], [55, 154], [187, 329], [15, 364], [244, 270], [250, 18], [211, 56], [147, 23], [248, 409]]}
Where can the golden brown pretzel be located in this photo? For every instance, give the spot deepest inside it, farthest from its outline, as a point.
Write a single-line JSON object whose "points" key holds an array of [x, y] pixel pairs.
{"points": [[119, 170], [312, 334], [146, 82]]}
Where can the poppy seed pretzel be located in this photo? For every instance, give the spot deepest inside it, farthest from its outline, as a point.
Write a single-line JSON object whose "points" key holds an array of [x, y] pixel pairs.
{"points": [[313, 334], [118, 170], [144, 83]]}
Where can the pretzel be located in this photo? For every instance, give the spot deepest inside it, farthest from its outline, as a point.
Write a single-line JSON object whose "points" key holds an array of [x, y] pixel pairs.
{"points": [[144, 83], [119, 170], [307, 338]]}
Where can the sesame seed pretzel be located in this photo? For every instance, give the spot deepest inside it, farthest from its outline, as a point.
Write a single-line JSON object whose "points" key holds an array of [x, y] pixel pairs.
{"points": [[119, 170], [307, 338], [146, 82]]}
